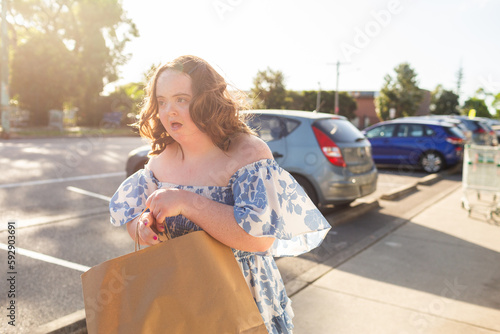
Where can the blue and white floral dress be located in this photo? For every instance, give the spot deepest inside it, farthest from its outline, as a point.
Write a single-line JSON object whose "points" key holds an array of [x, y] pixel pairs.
{"points": [[267, 202]]}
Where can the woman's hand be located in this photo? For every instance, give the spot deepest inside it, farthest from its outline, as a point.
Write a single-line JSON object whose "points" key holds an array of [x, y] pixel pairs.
{"points": [[165, 203], [146, 224]]}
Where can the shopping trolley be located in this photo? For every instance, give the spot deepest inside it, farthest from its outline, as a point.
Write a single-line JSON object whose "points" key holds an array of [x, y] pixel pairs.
{"points": [[481, 178]]}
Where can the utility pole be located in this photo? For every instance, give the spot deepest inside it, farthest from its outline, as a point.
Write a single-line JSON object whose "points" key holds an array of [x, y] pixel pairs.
{"points": [[337, 86], [318, 98], [4, 89], [337, 90]]}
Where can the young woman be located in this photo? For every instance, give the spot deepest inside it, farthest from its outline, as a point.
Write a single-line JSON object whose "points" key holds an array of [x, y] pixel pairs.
{"points": [[208, 171]]}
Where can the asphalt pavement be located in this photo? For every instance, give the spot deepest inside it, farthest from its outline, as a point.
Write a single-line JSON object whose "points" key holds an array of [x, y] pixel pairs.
{"points": [[333, 288]]}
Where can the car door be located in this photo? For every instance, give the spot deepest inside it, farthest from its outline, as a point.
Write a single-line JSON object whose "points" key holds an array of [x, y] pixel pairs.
{"points": [[380, 138], [271, 129], [409, 139]]}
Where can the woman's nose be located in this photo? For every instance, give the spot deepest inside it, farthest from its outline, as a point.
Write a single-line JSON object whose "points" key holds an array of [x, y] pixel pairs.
{"points": [[170, 109]]}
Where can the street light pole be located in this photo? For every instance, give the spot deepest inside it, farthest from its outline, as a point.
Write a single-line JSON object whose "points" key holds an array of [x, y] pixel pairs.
{"points": [[5, 72]]}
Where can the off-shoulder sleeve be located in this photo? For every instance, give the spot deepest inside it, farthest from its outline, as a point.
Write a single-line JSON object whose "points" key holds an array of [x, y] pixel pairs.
{"points": [[270, 203], [129, 200]]}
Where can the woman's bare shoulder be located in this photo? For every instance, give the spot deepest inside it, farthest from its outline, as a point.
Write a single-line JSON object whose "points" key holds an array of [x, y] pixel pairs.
{"points": [[248, 148], [160, 162]]}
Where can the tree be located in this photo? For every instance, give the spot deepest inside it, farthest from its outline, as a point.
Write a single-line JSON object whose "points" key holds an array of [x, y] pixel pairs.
{"points": [[94, 32], [269, 90], [477, 104], [400, 93], [42, 76], [444, 102], [496, 105]]}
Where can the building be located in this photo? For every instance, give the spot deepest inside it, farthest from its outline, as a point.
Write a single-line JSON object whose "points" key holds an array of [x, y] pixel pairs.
{"points": [[366, 114]]}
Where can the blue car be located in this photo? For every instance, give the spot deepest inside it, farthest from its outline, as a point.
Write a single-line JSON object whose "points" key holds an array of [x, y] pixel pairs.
{"points": [[430, 144]]}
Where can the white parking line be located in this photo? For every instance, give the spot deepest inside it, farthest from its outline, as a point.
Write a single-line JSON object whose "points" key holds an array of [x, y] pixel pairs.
{"points": [[67, 179], [47, 258], [89, 193]]}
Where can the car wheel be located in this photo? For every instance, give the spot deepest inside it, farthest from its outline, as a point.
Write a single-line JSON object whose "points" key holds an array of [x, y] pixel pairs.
{"points": [[308, 188], [432, 162]]}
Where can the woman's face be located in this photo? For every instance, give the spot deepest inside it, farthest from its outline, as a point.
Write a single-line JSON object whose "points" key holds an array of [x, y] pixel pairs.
{"points": [[173, 94]]}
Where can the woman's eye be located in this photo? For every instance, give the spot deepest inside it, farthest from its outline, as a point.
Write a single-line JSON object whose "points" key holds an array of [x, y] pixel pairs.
{"points": [[161, 103], [181, 100]]}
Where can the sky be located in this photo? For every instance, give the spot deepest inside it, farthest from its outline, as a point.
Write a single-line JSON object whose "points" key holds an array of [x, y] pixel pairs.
{"points": [[305, 39]]}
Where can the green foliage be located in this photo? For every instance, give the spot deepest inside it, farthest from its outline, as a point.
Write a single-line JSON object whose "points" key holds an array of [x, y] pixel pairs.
{"points": [[42, 76], [444, 102], [93, 32], [401, 93], [347, 105], [269, 90], [479, 105], [496, 105]]}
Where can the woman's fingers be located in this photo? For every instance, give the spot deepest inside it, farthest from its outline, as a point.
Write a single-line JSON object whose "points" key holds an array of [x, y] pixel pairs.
{"points": [[146, 234]]}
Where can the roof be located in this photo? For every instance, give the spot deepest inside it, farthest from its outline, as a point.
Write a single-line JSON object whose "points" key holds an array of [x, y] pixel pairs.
{"points": [[294, 113], [418, 120]]}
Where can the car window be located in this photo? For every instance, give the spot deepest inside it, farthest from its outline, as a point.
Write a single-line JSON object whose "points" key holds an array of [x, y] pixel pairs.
{"points": [[410, 130], [268, 128], [428, 131], [339, 130], [471, 125], [455, 131], [291, 125], [384, 131]]}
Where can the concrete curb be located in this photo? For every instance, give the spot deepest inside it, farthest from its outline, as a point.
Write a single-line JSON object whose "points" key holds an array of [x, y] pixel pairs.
{"points": [[71, 324], [400, 192], [75, 323]]}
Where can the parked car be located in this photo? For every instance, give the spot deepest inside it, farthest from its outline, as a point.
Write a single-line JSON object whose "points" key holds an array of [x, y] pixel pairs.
{"points": [[137, 158], [328, 156], [481, 133], [430, 144], [461, 125], [494, 125], [477, 130]]}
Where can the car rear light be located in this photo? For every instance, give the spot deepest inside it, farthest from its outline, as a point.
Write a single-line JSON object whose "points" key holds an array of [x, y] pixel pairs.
{"points": [[479, 130], [329, 148], [455, 140]]}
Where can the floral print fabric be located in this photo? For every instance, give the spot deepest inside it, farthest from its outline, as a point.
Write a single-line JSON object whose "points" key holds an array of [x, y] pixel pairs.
{"points": [[267, 201]]}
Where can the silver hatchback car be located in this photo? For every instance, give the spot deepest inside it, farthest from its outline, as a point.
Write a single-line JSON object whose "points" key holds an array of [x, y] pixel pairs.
{"points": [[327, 155]]}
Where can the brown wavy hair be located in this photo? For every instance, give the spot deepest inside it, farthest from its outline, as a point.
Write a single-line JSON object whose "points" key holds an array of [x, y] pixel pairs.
{"points": [[213, 109]]}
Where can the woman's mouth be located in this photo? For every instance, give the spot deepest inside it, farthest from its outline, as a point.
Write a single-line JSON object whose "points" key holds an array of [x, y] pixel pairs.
{"points": [[175, 125]]}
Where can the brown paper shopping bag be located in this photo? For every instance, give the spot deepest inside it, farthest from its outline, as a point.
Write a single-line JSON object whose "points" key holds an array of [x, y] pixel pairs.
{"points": [[190, 284]]}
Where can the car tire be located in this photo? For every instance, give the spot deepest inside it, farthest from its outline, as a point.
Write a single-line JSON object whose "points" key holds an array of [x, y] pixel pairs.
{"points": [[432, 162], [308, 188]]}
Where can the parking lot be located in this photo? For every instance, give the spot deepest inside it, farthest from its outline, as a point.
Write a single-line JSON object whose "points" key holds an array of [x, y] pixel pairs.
{"points": [[56, 191]]}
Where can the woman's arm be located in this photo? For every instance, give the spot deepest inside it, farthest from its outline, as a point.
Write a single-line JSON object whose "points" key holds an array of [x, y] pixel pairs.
{"points": [[215, 218]]}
